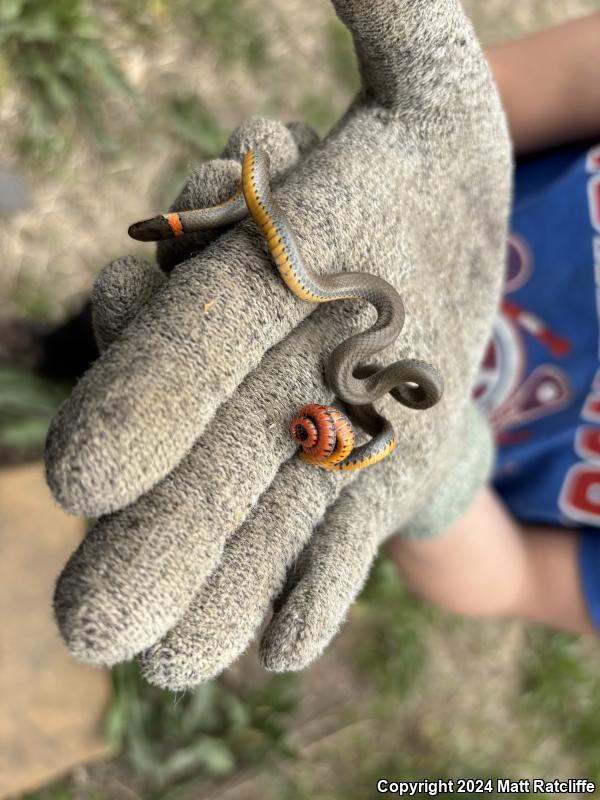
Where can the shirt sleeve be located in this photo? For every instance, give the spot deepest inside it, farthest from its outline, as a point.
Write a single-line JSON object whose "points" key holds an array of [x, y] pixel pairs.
{"points": [[589, 570]]}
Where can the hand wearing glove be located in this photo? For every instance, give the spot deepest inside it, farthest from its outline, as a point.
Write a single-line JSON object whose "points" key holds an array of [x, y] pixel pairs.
{"points": [[179, 433]]}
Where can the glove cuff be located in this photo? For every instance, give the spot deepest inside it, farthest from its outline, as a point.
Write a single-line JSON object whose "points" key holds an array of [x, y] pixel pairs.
{"points": [[471, 470]]}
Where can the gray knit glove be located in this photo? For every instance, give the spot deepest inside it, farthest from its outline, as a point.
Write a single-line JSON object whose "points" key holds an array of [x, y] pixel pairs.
{"points": [[179, 433]]}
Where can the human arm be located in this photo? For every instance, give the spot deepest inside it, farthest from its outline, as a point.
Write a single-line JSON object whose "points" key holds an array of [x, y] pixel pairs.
{"points": [[489, 565], [550, 84]]}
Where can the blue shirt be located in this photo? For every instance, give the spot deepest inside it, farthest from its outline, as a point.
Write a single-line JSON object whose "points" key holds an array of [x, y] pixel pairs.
{"points": [[539, 382]]}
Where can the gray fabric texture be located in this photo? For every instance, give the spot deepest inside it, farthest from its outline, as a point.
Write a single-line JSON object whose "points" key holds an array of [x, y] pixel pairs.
{"points": [[177, 438]]}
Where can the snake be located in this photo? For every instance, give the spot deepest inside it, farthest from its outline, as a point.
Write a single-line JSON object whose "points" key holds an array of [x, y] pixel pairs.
{"points": [[325, 434]]}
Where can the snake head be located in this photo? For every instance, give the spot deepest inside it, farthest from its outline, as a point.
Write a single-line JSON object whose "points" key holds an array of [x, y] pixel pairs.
{"points": [[154, 229]]}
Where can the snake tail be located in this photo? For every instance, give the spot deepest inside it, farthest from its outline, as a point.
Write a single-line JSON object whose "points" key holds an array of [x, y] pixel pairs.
{"points": [[327, 437]]}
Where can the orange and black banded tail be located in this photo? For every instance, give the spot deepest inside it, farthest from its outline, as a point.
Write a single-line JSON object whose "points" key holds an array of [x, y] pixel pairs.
{"points": [[325, 435]]}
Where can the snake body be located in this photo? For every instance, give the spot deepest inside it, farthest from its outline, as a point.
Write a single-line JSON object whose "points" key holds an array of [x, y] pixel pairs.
{"points": [[325, 434]]}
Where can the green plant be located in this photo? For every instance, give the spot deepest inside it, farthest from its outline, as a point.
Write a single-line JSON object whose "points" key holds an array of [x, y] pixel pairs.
{"points": [[561, 688], [319, 112], [390, 629], [56, 54], [205, 733], [59, 792], [27, 404], [192, 122], [341, 55], [230, 26]]}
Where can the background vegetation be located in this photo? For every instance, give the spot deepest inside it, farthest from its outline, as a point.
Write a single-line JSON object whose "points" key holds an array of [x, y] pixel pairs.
{"points": [[105, 108]]}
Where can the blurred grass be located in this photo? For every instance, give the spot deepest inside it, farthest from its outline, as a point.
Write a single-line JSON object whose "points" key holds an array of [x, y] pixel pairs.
{"points": [[201, 734], [232, 26], [391, 625], [177, 746], [561, 689], [61, 57], [58, 792], [27, 404], [170, 746], [56, 53]]}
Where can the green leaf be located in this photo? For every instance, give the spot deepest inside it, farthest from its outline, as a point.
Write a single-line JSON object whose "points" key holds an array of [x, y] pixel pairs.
{"points": [[192, 121], [10, 10], [23, 432], [59, 792], [22, 391], [238, 713], [58, 56], [200, 734], [209, 754], [201, 712]]}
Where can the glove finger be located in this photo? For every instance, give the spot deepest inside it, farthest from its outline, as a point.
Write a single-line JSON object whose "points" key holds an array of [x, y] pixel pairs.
{"points": [[216, 180], [305, 136], [120, 292], [411, 54], [138, 569], [227, 611], [334, 566], [263, 132], [329, 574]]}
